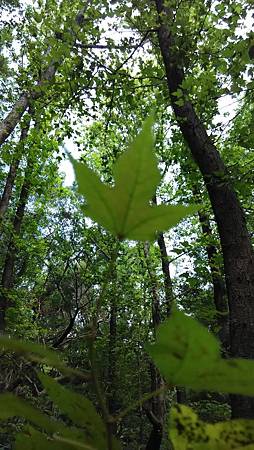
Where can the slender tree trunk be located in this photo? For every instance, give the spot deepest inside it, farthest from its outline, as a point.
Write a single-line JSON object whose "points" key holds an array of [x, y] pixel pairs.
{"points": [[112, 399], [166, 273], [8, 275], [235, 240], [12, 119], [10, 180], [112, 363], [10, 122], [157, 412], [219, 288]]}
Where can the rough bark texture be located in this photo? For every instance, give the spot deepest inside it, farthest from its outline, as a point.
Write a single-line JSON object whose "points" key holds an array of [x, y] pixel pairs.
{"points": [[235, 241], [7, 281]]}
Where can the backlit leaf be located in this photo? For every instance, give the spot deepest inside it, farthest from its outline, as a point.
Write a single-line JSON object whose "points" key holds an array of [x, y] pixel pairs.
{"points": [[124, 209], [188, 355]]}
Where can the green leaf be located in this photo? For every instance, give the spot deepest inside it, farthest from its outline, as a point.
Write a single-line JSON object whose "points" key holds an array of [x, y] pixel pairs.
{"points": [[80, 410], [188, 355], [11, 406], [187, 432], [124, 209], [39, 353], [31, 439]]}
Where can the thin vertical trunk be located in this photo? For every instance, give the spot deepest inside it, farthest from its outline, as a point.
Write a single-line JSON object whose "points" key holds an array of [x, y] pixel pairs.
{"points": [[8, 275], [112, 399], [235, 240], [10, 180], [166, 273], [157, 412], [219, 288]]}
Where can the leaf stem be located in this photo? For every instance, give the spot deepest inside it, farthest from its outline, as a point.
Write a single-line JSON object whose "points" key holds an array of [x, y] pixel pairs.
{"points": [[140, 402]]}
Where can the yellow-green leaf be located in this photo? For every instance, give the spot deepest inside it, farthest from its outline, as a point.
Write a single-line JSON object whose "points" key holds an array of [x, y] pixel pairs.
{"points": [[187, 432]]}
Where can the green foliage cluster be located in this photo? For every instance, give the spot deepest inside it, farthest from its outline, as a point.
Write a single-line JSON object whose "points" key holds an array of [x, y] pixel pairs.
{"points": [[185, 352]]}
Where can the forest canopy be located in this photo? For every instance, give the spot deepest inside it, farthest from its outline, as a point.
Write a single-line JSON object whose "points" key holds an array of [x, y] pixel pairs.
{"points": [[127, 295]]}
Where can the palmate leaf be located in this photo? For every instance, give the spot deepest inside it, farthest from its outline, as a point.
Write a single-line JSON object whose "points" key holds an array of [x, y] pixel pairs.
{"points": [[188, 355], [124, 209], [187, 432]]}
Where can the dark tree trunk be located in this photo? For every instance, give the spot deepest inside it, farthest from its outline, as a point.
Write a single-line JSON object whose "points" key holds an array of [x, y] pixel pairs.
{"points": [[6, 196], [155, 438], [112, 399], [235, 241], [181, 396], [7, 281], [219, 288], [166, 273], [157, 411]]}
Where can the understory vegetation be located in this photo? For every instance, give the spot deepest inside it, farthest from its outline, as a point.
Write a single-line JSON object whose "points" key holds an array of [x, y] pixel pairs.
{"points": [[126, 225]]}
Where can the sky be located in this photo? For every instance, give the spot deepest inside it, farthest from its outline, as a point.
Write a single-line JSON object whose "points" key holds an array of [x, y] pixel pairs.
{"points": [[225, 104]]}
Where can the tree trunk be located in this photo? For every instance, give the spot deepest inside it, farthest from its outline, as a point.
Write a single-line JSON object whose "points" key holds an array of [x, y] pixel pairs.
{"points": [[235, 241], [166, 273], [219, 288], [6, 196], [157, 412], [112, 398], [8, 125], [12, 119], [7, 281]]}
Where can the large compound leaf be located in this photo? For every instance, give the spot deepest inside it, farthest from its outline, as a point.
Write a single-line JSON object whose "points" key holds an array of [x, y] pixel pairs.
{"points": [[187, 432], [124, 209], [80, 410], [39, 353], [188, 355]]}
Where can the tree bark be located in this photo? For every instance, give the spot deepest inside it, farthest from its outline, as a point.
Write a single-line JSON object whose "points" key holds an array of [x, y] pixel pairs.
{"points": [[7, 281], [235, 240]]}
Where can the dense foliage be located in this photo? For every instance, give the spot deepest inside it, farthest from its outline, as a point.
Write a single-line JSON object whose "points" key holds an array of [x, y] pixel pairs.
{"points": [[127, 296]]}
